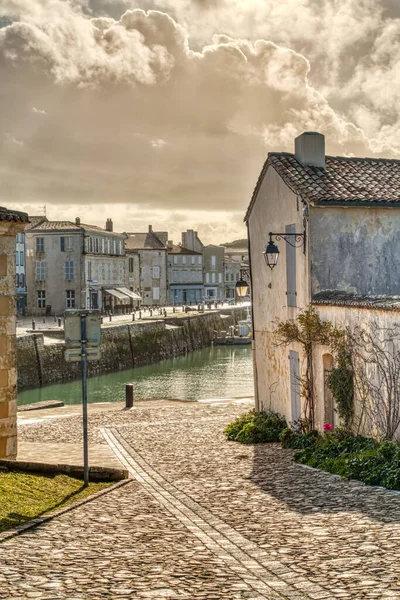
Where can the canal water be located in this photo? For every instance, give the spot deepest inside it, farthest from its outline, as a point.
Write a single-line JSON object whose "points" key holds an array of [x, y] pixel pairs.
{"points": [[216, 372]]}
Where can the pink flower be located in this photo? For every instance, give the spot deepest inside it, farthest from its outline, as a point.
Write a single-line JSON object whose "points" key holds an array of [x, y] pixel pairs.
{"points": [[327, 427]]}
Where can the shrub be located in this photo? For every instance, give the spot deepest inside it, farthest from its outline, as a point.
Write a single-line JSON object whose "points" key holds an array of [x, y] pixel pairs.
{"points": [[296, 441], [351, 456], [256, 427]]}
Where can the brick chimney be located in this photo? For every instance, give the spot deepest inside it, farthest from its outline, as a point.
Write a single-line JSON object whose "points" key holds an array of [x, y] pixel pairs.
{"points": [[309, 149], [77, 221], [109, 225], [150, 228]]}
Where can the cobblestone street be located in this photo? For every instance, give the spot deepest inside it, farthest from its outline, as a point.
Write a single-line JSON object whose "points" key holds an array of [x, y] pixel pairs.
{"points": [[205, 519]]}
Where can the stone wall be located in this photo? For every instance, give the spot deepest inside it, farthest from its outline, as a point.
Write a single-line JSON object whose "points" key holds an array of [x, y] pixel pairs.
{"points": [[123, 346], [8, 375]]}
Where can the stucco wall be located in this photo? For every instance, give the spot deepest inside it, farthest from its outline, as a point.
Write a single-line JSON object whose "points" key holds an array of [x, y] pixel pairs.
{"points": [[123, 346], [276, 206], [355, 250]]}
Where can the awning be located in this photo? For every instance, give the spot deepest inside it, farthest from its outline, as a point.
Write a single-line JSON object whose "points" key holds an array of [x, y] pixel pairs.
{"points": [[117, 294], [129, 293]]}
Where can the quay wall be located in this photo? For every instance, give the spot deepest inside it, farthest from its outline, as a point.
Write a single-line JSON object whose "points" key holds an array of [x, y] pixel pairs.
{"points": [[41, 361]]}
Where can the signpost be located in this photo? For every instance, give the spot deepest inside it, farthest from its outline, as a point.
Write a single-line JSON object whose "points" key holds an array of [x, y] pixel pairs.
{"points": [[82, 339]]}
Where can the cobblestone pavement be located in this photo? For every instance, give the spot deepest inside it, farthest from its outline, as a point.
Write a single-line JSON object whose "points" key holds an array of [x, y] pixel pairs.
{"points": [[206, 519]]}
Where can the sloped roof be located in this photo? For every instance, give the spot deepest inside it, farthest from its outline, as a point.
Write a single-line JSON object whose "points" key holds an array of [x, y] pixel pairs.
{"points": [[56, 226], [181, 250], [344, 182], [13, 216], [143, 241]]}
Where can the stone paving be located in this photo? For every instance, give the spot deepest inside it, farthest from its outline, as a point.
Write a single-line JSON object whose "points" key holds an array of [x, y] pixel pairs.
{"points": [[207, 519]]}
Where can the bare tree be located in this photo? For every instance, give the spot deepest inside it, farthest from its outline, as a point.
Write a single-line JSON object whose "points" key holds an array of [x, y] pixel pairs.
{"points": [[375, 352]]}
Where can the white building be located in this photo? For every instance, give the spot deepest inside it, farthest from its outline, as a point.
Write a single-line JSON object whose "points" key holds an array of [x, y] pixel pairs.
{"points": [[73, 265]]}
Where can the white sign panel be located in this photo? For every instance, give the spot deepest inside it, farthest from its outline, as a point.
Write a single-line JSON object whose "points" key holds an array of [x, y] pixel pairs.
{"points": [[74, 354], [72, 328]]}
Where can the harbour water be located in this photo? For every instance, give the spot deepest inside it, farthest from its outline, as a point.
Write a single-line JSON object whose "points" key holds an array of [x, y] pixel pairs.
{"points": [[216, 372]]}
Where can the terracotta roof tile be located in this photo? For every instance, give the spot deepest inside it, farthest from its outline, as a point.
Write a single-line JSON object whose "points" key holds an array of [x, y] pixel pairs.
{"points": [[346, 181], [337, 298], [13, 216]]}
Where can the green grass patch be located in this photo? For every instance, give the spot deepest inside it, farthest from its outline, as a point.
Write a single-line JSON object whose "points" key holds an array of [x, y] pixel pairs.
{"points": [[256, 428], [350, 456], [25, 496]]}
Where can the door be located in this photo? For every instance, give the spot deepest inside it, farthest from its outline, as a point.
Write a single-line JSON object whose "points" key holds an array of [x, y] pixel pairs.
{"points": [[295, 385]]}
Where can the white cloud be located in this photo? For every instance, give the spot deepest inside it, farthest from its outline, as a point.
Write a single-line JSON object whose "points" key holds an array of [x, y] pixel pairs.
{"points": [[214, 88]]}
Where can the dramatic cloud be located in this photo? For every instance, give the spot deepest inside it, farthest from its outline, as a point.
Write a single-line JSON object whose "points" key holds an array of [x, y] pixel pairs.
{"points": [[165, 115]]}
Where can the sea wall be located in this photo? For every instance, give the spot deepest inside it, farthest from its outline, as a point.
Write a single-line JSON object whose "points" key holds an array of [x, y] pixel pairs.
{"points": [[40, 359]]}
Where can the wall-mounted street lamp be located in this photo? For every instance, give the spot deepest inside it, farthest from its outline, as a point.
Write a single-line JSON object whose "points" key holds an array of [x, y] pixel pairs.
{"points": [[242, 286], [271, 252]]}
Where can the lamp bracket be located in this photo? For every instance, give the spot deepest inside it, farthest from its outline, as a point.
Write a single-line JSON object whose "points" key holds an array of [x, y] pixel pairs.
{"points": [[296, 240]]}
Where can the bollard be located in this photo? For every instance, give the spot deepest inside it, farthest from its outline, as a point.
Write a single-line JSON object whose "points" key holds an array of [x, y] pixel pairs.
{"points": [[59, 322], [133, 316], [110, 317], [129, 395], [44, 319], [55, 319], [140, 314], [173, 309], [33, 324], [198, 307]]}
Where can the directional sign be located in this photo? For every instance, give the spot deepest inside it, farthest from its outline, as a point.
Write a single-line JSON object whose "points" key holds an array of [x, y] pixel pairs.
{"points": [[72, 328], [75, 354]]}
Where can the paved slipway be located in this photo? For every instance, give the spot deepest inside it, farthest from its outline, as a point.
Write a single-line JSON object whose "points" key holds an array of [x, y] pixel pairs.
{"points": [[204, 519]]}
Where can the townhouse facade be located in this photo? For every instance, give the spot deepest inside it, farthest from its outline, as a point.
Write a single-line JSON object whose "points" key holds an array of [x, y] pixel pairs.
{"points": [[185, 275], [146, 255], [74, 265], [213, 273]]}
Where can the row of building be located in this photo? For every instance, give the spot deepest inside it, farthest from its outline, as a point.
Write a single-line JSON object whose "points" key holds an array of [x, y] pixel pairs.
{"points": [[63, 264]]}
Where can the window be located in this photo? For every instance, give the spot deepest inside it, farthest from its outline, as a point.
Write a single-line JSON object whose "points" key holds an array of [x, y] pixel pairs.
{"points": [[40, 270], [69, 270], [108, 246], [89, 271], [213, 278], [156, 272], [213, 260], [156, 293], [193, 260], [17, 280], [96, 244], [114, 251], [219, 277], [70, 298], [17, 259], [207, 277], [184, 260], [120, 247], [175, 260], [131, 265], [199, 260], [39, 244], [22, 280], [41, 299], [65, 243], [21, 258], [90, 244], [102, 245]]}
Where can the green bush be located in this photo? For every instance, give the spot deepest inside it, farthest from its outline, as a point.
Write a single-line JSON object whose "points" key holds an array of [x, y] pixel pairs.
{"points": [[297, 441], [350, 456], [256, 428]]}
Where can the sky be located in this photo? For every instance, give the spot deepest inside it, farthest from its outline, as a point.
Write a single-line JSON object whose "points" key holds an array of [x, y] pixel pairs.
{"points": [[162, 112]]}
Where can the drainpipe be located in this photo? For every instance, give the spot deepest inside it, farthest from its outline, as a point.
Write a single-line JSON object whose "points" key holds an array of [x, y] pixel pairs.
{"points": [[256, 400]]}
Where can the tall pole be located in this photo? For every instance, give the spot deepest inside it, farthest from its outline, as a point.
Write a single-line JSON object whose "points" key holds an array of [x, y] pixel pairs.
{"points": [[84, 400]]}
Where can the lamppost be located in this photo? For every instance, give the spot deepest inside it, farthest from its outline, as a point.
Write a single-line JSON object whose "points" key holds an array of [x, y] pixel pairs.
{"points": [[271, 252], [242, 286]]}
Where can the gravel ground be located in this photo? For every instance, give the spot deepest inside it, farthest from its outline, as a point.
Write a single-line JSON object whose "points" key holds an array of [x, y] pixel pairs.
{"points": [[338, 535]]}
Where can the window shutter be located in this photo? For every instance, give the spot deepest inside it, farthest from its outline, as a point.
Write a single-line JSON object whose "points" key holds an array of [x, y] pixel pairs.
{"points": [[295, 399], [291, 268], [62, 244]]}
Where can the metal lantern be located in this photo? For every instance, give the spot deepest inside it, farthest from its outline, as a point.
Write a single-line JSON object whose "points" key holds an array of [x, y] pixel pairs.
{"points": [[271, 254]]}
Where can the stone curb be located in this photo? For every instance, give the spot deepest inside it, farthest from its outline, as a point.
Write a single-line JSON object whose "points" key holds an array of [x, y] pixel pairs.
{"points": [[350, 482], [39, 521], [95, 473]]}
